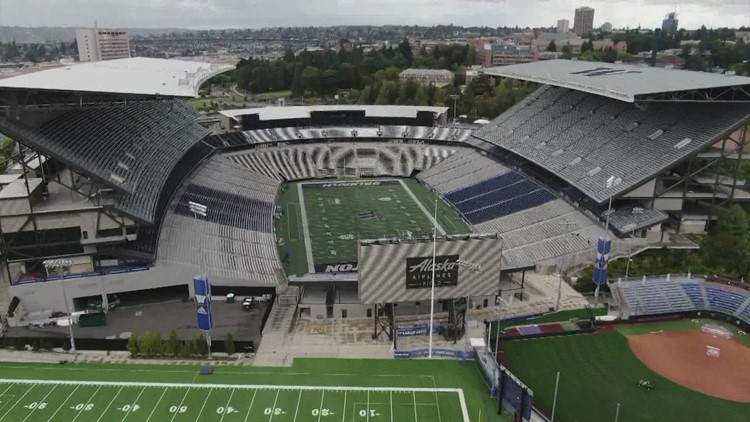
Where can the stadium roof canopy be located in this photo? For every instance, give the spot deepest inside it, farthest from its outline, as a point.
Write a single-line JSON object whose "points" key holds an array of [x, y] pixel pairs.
{"points": [[622, 82], [135, 76], [303, 112]]}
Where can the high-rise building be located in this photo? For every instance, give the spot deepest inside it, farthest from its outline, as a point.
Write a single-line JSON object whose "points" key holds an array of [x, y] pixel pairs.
{"points": [[97, 44], [563, 25], [606, 27], [584, 20], [670, 23]]}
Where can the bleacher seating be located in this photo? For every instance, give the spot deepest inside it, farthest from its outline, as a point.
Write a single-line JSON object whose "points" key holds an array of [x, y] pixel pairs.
{"points": [[385, 132], [132, 148], [664, 295], [235, 240], [585, 138], [313, 160], [723, 300]]}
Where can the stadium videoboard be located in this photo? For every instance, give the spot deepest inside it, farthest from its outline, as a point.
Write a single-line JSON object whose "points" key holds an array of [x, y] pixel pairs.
{"points": [[401, 271]]}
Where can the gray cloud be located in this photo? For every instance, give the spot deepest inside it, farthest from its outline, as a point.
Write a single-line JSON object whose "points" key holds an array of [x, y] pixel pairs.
{"points": [[261, 13]]}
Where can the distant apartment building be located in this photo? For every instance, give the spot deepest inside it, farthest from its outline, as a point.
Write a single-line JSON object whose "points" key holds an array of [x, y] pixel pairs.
{"points": [[583, 23], [563, 25], [436, 77], [606, 28], [669, 24], [97, 44], [502, 54]]}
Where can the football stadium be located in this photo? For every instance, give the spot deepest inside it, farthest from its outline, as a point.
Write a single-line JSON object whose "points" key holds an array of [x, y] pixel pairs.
{"points": [[122, 213]]}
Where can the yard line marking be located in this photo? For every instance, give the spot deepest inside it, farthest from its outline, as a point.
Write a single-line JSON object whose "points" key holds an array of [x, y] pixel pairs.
{"points": [[156, 405], [251, 405], [110, 404], [87, 403], [229, 400], [180, 405], [343, 411], [133, 404], [416, 418], [37, 407], [273, 408], [320, 408], [367, 406], [3, 393], [437, 403], [63, 403], [296, 409], [17, 401], [204, 404], [391, 400]]}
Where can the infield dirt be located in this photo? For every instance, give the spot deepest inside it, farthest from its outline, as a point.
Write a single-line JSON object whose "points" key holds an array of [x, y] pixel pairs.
{"points": [[680, 356]]}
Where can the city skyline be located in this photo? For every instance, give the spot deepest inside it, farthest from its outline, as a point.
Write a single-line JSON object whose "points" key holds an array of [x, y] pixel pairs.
{"points": [[204, 14]]}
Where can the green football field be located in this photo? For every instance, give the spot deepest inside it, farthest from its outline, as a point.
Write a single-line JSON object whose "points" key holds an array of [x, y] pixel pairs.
{"points": [[597, 371], [311, 390], [322, 221]]}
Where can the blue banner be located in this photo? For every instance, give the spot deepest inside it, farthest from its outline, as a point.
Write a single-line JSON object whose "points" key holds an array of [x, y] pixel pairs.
{"points": [[603, 248], [419, 353], [203, 302]]}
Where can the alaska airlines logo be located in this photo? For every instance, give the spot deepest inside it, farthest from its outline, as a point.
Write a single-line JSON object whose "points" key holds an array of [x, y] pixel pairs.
{"points": [[426, 265], [604, 71], [419, 271]]}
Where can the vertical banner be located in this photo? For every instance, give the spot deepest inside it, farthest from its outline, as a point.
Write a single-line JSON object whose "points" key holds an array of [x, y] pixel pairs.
{"points": [[203, 302], [603, 247]]}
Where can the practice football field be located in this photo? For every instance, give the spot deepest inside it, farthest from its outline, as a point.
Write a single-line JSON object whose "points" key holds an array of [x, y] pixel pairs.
{"points": [[322, 221], [309, 391]]}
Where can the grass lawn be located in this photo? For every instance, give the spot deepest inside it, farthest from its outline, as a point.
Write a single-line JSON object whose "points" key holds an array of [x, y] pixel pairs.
{"points": [[339, 213], [599, 370], [311, 390]]}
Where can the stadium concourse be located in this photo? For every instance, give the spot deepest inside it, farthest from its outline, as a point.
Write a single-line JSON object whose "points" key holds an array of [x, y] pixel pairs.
{"points": [[100, 198]]}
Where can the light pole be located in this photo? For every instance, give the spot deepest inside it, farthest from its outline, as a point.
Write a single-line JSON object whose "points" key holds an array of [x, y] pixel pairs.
{"points": [[633, 212], [611, 182], [202, 210], [61, 263], [562, 264], [455, 98]]}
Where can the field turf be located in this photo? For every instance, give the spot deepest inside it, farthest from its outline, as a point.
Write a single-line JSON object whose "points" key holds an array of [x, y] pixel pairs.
{"points": [[334, 215], [599, 370], [311, 390]]}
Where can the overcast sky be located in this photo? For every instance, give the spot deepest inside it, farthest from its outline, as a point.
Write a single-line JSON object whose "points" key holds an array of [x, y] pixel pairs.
{"points": [[261, 13]]}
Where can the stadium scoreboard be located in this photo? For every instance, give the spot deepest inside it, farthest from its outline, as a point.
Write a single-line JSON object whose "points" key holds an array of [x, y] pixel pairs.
{"points": [[401, 270]]}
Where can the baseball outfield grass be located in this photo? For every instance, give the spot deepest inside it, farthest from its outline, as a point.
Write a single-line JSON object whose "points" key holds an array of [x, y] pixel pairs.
{"points": [[598, 371]]}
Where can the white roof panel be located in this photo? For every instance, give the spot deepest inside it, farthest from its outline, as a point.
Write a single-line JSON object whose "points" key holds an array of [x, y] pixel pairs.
{"points": [[619, 81], [136, 75], [17, 189], [303, 112]]}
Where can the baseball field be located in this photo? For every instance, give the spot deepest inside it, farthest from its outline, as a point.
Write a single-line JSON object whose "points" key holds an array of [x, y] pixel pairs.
{"points": [[696, 374], [322, 221], [311, 390]]}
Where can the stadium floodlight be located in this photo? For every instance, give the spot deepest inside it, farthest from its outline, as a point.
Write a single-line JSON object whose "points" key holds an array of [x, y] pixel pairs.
{"points": [[61, 263], [197, 209]]}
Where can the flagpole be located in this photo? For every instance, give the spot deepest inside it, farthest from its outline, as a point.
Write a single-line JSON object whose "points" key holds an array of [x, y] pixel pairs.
{"points": [[432, 288]]}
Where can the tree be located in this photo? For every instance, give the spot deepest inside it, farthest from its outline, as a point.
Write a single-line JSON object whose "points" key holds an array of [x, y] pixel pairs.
{"points": [[311, 80], [721, 249], [551, 46], [566, 52], [134, 345], [199, 346], [172, 344], [298, 87], [405, 49], [229, 344]]}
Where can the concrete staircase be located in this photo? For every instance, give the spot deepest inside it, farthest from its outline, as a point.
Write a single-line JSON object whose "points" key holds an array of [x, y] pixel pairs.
{"points": [[275, 335]]}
